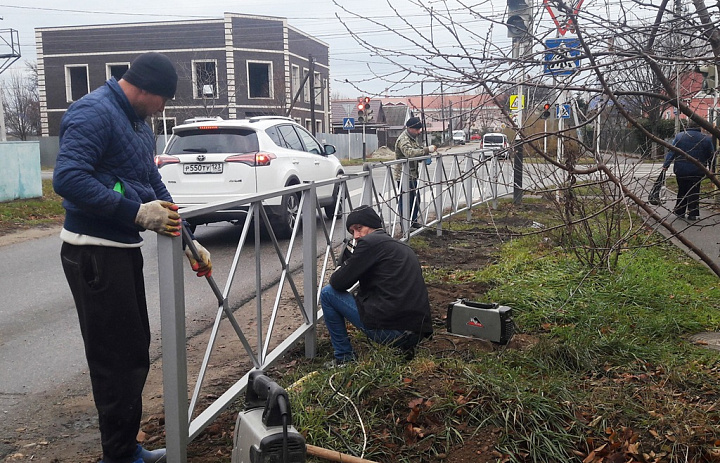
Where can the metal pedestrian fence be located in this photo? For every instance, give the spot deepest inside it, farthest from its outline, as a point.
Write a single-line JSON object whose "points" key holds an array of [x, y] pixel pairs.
{"points": [[449, 185]]}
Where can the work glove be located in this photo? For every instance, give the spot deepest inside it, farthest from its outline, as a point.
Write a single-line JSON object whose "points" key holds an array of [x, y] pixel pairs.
{"points": [[204, 267], [432, 148], [159, 216]]}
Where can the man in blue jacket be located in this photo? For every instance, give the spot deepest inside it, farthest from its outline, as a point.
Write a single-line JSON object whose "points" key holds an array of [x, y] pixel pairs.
{"points": [[694, 151], [392, 305], [112, 191]]}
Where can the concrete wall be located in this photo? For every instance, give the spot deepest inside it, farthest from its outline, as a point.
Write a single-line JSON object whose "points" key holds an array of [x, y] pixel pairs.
{"points": [[49, 147], [20, 161]]}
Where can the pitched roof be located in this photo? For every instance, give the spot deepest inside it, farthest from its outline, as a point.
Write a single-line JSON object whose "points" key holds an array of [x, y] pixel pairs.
{"points": [[395, 114]]}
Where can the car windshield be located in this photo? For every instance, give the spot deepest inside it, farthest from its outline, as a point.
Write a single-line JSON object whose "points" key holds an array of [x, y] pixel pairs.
{"points": [[215, 140], [494, 139]]}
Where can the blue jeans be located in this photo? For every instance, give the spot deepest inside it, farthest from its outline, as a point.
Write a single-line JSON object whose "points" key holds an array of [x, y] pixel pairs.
{"points": [[339, 307]]}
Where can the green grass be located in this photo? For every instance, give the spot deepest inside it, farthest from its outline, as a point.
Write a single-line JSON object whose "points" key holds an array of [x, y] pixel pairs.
{"points": [[24, 213], [609, 369]]}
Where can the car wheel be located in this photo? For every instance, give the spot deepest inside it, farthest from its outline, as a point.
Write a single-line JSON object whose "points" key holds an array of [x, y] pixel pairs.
{"points": [[330, 208], [289, 213]]}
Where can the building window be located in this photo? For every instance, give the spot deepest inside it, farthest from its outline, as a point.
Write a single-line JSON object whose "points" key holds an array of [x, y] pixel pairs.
{"points": [[308, 124], [116, 70], [205, 79], [259, 79], [77, 83], [295, 80], [162, 124], [318, 89], [318, 126], [306, 87]]}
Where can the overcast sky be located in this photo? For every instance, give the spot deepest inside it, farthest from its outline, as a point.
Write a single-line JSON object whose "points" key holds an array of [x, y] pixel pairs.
{"points": [[348, 60]]}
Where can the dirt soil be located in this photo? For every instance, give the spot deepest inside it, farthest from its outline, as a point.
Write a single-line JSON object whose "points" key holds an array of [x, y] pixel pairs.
{"points": [[64, 426]]}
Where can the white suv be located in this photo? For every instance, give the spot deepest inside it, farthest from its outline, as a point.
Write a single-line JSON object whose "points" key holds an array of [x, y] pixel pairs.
{"points": [[220, 160]]}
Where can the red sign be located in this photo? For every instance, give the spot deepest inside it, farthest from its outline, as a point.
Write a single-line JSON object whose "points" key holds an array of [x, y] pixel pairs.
{"points": [[563, 21]]}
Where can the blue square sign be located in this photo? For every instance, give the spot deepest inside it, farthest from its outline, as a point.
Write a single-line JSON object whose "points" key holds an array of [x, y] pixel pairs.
{"points": [[562, 56]]}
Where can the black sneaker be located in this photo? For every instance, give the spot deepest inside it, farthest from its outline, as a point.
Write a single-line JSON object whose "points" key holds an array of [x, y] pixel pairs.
{"points": [[693, 218]]}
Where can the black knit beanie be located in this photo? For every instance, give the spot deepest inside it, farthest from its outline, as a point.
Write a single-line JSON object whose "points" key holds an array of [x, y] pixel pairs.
{"points": [[364, 215], [414, 123], [154, 73]]}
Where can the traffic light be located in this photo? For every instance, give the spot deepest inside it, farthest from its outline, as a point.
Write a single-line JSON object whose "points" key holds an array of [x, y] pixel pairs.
{"points": [[365, 114], [361, 111], [709, 78], [519, 19], [368, 111], [546, 111]]}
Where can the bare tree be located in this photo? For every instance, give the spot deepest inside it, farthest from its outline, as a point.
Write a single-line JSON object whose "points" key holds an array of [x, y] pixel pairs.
{"points": [[21, 102], [636, 64]]}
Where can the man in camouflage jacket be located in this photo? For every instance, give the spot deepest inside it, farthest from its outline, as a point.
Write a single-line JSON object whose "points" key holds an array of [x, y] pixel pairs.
{"points": [[409, 145]]}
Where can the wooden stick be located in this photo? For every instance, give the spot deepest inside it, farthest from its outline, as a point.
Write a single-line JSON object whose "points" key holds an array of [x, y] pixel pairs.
{"points": [[332, 455]]}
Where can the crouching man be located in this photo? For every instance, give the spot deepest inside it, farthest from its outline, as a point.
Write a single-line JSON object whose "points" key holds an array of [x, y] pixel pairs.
{"points": [[391, 306]]}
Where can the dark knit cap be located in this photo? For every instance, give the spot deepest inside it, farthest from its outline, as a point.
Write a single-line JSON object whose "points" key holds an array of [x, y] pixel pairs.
{"points": [[414, 123], [364, 215], [154, 73]]}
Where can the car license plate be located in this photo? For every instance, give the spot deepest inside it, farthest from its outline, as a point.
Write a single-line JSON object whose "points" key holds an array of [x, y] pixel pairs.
{"points": [[204, 168]]}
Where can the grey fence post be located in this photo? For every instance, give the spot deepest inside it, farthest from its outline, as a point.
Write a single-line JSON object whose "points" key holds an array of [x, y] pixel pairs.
{"points": [[494, 181], [310, 274], [406, 214], [367, 194], [468, 185], [437, 181], [172, 327]]}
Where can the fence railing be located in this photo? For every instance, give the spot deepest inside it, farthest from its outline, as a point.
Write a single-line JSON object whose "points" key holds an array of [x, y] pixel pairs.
{"points": [[451, 184]]}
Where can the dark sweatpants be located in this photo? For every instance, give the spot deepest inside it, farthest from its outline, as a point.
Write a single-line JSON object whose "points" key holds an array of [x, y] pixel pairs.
{"points": [[688, 195], [109, 291]]}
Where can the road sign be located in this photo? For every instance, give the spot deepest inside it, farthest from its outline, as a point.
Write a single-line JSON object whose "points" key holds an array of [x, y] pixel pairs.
{"points": [[563, 21], [517, 103], [348, 123], [562, 111], [562, 56]]}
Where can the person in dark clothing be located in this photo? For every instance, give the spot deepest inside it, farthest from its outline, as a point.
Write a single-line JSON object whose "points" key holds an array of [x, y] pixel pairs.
{"points": [[112, 191], [392, 305], [689, 174], [409, 145]]}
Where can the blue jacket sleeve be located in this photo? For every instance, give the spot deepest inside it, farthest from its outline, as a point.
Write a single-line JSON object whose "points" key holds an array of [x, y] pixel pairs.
{"points": [[76, 178], [671, 154]]}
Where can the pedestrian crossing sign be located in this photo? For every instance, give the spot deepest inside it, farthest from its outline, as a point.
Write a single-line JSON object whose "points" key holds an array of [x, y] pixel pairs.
{"points": [[563, 111], [516, 102], [348, 123]]}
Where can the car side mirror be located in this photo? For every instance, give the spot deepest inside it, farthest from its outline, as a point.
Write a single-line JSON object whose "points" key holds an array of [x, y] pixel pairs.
{"points": [[329, 149]]}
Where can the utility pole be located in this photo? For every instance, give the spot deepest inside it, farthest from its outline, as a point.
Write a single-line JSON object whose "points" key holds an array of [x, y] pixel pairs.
{"points": [[442, 110], [519, 24], [311, 82], [422, 113], [9, 58], [450, 122]]}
